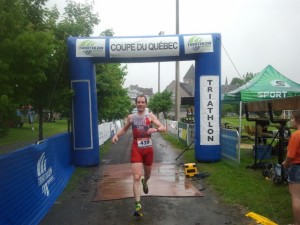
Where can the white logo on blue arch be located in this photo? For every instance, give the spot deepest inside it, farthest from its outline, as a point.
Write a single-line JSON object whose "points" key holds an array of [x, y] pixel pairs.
{"points": [[197, 44], [280, 83], [90, 48], [44, 174]]}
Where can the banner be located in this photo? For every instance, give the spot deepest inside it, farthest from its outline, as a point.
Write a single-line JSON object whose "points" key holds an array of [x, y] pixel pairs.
{"points": [[32, 178], [209, 109], [144, 47]]}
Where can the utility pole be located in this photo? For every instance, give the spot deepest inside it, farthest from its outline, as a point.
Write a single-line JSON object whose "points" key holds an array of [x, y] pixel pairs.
{"points": [[160, 33], [177, 69]]}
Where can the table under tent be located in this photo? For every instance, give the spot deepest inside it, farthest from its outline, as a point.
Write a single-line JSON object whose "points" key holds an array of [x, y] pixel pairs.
{"points": [[282, 132]]}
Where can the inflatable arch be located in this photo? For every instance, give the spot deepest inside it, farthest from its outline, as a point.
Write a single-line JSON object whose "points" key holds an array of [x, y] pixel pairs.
{"points": [[84, 52]]}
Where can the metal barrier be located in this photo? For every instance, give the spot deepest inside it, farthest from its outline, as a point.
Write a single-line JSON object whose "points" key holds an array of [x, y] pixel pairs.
{"points": [[230, 148], [230, 144]]}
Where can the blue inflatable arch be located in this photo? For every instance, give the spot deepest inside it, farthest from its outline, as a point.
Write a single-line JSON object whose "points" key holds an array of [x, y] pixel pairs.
{"points": [[84, 53]]}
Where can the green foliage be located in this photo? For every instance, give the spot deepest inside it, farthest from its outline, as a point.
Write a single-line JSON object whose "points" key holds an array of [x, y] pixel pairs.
{"points": [[28, 56], [113, 101], [230, 108], [107, 32], [226, 108], [246, 188], [33, 59], [33, 11], [7, 114], [19, 136], [248, 76], [79, 19], [245, 78], [161, 102], [33, 62], [236, 81], [25, 49]]}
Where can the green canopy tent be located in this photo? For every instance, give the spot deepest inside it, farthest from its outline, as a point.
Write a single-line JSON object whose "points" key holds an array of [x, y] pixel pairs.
{"points": [[268, 84]]}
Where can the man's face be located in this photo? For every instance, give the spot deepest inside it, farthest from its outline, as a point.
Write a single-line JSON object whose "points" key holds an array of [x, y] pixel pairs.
{"points": [[141, 104]]}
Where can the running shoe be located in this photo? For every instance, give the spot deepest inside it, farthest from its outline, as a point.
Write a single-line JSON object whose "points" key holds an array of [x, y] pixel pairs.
{"points": [[138, 209], [138, 206], [145, 186], [138, 214]]}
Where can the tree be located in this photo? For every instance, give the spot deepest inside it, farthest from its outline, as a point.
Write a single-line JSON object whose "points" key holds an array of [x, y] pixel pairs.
{"points": [[236, 81], [54, 92], [113, 101], [245, 78], [79, 19], [33, 62], [11, 27], [230, 108], [33, 59], [25, 49], [107, 32], [161, 102], [7, 114]]}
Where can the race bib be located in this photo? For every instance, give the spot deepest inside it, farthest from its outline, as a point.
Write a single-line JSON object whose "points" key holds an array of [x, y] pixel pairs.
{"points": [[144, 142]]}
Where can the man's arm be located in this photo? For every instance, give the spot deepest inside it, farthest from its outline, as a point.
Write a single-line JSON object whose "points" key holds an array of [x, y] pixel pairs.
{"points": [[122, 131], [160, 127]]}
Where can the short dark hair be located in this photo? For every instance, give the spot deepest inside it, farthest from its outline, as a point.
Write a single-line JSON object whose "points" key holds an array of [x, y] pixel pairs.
{"points": [[140, 96]]}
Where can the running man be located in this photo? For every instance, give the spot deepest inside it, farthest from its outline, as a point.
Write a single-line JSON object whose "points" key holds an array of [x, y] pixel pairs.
{"points": [[142, 149]]}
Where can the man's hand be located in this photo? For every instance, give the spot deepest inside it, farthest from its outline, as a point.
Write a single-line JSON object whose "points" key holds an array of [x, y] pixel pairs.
{"points": [[152, 130], [115, 139]]}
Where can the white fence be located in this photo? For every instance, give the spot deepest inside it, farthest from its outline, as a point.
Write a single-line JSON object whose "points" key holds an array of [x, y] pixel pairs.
{"points": [[107, 130], [184, 132]]}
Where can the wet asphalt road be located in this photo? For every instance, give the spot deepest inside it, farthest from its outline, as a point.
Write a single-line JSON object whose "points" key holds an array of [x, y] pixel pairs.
{"points": [[77, 207]]}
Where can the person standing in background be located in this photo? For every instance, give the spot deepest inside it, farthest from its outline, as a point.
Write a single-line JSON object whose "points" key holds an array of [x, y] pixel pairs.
{"points": [[292, 165]]}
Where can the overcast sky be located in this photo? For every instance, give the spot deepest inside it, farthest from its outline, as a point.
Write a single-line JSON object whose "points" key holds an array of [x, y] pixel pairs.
{"points": [[255, 33]]}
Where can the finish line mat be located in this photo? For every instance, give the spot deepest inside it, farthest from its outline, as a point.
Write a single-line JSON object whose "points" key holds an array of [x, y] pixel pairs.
{"points": [[116, 183]]}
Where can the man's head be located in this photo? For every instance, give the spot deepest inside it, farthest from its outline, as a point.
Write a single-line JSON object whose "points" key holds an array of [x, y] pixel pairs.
{"points": [[141, 103], [140, 96]]}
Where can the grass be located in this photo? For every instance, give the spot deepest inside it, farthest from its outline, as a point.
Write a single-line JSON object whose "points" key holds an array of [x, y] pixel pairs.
{"points": [[26, 134], [248, 188], [82, 172], [235, 184]]}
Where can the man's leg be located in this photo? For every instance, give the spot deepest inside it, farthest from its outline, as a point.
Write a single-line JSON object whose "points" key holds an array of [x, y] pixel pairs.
{"points": [[148, 160], [147, 172], [137, 174]]}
